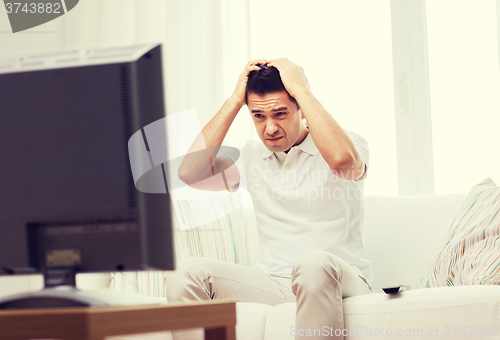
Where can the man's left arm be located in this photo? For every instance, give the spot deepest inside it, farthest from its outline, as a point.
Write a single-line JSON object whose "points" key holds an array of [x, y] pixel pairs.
{"points": [[333, 143]]}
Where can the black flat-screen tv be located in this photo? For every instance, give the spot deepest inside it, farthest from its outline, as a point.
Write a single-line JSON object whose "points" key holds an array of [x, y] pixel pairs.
{"points": [[68, 200]]}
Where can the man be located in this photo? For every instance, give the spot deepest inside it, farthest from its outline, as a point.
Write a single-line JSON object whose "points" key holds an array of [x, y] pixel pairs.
{"points": [[305, 179]]}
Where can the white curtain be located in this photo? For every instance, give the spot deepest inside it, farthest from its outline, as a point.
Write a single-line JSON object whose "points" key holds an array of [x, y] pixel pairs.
{"points": [[205, 46], [464, 78]]}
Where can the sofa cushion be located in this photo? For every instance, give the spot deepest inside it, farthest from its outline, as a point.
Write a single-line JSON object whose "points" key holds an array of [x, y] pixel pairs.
{"points": [[402, 234], [435, 313], [222, 239], [251, 320], [280, 320], [470, 252]]}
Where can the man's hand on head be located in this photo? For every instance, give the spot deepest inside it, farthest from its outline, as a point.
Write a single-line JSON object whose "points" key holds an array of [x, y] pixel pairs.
{"points": [[292, 75], [239, 94]]}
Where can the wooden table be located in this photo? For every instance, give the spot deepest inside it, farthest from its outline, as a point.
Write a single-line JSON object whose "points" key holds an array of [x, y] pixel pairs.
{"points": [[218, 318]]}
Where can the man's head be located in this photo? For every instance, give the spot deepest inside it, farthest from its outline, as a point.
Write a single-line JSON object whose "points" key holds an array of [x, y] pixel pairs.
{"points": [[276, 115], [266, 80]]}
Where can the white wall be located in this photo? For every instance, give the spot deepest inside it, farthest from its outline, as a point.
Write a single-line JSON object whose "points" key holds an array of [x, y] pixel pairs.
{"points": [[442, 111], [345, 49]]}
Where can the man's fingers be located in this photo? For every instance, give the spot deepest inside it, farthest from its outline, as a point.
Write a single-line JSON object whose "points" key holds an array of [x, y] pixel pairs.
{"points": [[292, 75], [247, 71], [256, 61], [280, 62], [252, 65], [285, 64], [271, 62]]}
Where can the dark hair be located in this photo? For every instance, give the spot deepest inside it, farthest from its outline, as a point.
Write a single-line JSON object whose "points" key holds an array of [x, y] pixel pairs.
{"points": [[266, 80]]}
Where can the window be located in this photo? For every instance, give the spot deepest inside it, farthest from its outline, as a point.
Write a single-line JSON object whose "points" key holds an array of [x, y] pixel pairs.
{"points": [[464, 91]]}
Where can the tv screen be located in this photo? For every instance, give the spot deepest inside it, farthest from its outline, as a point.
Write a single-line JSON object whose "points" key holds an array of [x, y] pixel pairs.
{"points": [[67, 194]]}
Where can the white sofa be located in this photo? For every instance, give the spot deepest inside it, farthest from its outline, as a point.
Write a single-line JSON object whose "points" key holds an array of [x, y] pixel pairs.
{"points": [[402, 236]]}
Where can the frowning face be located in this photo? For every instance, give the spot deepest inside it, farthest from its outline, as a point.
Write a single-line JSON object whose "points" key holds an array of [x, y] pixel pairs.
{"points": [[277, 120]]}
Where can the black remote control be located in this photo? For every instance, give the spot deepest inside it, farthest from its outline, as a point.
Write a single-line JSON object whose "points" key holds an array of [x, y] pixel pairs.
{"points": [[395, 289]]}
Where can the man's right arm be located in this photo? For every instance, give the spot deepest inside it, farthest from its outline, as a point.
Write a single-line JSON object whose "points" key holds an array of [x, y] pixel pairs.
{"points": [[201, 168]]}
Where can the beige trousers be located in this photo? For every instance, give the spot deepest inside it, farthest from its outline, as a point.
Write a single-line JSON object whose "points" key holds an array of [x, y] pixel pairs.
{"points": [[319, 282]]}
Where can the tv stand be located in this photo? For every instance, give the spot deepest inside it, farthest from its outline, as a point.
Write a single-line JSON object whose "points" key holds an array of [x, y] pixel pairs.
{"points": [[60, 291], [218, 318]]}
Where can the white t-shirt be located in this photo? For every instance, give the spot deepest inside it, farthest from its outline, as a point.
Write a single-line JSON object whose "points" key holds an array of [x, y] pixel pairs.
{"points": [[300, 204]]}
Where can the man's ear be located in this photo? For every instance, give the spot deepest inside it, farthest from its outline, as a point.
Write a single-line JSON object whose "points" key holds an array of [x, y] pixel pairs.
{"points": [[304, 120]]}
